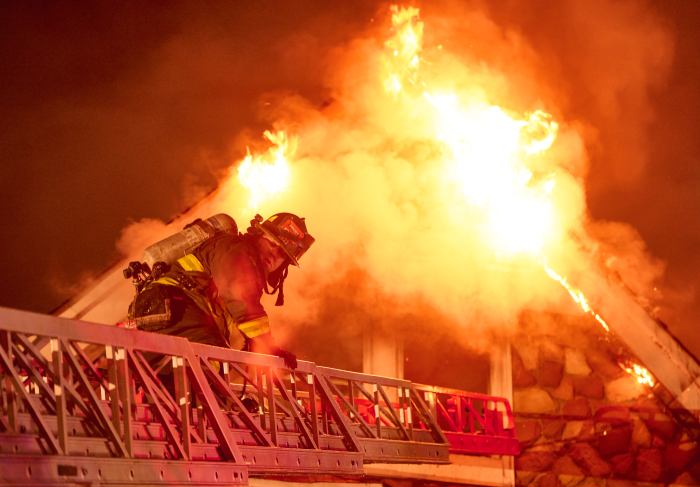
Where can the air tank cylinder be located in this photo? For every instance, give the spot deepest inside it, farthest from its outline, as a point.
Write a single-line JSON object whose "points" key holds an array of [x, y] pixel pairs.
{"points": [[183, 242]]}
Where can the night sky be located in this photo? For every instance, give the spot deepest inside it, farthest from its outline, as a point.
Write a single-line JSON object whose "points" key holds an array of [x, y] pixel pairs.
{"points": [[117, 111]]}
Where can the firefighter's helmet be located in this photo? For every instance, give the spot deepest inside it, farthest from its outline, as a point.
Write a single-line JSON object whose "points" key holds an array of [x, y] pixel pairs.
{"points": [[288, 231]]}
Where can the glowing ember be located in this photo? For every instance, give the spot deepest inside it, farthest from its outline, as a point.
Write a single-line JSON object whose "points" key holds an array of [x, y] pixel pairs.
{"points": [[642, 375], [267, 175]]}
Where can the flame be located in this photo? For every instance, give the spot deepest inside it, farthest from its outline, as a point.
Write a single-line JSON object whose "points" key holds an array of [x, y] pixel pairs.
{"points": [[489, 156], [403, 48], [267, 175], [577, 295], [642, 374], [486, 149], [539, 132]]}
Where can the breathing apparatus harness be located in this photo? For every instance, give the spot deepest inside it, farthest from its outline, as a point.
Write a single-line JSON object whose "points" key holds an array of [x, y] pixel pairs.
{"points": [[142, 275]]}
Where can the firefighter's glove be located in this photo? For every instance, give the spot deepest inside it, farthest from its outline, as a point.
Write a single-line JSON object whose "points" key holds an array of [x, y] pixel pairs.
{"points": [[290, 360]]}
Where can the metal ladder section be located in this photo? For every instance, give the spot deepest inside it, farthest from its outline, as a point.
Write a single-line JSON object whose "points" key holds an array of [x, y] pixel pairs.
{"points": [[101, 405]]}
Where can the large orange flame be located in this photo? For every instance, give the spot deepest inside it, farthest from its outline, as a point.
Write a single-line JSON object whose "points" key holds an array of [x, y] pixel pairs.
{"points": [[486, 149], [404, 49], [489, 158], [267, 175], [487, 155]]}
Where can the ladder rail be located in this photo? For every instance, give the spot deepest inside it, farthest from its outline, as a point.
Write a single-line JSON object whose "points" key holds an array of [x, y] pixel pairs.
{"points": [[91, 395]]}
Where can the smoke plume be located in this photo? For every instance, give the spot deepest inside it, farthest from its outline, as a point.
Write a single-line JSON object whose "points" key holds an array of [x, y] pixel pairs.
{"points": [[390, 250]]}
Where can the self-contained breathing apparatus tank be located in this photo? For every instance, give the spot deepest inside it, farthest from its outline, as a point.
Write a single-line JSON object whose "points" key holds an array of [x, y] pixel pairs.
{"points": [[183, 242], [158, 257]]}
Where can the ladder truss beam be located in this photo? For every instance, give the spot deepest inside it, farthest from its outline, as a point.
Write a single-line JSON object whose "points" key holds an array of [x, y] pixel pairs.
{"points": [[88, 403]]}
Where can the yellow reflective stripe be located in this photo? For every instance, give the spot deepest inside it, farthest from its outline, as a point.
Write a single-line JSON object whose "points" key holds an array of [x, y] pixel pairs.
{"points": [[168, 281], [190, 263], [254, 328]]}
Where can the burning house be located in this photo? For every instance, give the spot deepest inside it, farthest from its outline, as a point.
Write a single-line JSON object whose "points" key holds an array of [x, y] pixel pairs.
{"points": [[461, 320]]}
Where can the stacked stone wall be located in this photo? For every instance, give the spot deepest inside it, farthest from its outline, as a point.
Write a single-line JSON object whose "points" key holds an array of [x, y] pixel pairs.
{"points": [[582, 420]]}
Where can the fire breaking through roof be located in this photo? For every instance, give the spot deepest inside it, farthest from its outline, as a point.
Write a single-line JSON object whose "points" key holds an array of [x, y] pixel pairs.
{"points": [[462, 169], [424, 159]]}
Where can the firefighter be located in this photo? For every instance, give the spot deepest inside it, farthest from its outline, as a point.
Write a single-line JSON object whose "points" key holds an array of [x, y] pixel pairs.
{"points": [[212, 295]]}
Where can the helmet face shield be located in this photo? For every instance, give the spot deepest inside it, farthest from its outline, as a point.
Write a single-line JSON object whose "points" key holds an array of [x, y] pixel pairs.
{"points": [[290, 233]]}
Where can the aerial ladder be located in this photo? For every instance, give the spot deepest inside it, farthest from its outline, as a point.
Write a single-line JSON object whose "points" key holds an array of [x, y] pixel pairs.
{"points": [[91, 404]]}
